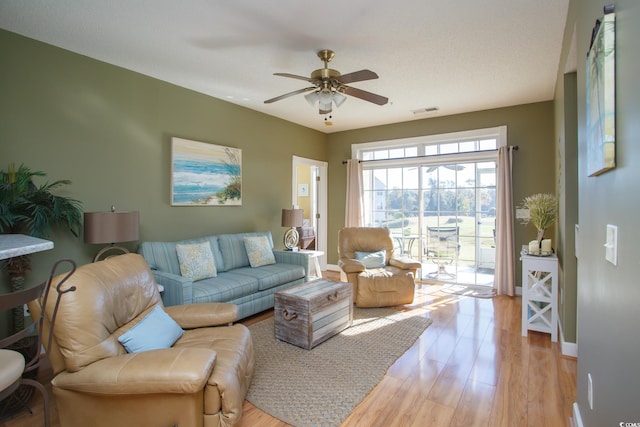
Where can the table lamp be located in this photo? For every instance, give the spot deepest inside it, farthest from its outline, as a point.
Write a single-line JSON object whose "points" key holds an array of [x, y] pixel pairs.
{"points": [[111, 227], [292, 218]]}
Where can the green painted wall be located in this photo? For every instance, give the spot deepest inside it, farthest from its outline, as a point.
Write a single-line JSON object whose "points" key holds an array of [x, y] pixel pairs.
{"points": [[528, 126], [108, 130]]}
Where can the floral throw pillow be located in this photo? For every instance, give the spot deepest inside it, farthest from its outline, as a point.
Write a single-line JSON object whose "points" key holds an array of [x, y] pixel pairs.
{"points": [[196, 261], [259, 251]]}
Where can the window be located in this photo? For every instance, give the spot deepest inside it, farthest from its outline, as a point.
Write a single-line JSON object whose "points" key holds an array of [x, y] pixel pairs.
{"points": [[443, 182]]}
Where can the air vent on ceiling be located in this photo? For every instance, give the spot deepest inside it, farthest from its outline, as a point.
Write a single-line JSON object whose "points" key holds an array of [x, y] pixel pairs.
{"points": [[426, 110]]}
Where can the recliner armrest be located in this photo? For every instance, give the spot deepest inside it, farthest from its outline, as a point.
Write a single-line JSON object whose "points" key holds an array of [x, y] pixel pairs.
{"points": [[405, 263], [349, 265], [201, 315], [171, 370]]}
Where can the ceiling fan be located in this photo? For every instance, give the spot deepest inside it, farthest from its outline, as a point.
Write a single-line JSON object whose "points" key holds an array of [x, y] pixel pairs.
{"points": [[330, 87]]}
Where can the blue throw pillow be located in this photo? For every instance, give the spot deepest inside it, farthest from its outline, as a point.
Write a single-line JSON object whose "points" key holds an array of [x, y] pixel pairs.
{"points": [[157, 330], [372, 259]]}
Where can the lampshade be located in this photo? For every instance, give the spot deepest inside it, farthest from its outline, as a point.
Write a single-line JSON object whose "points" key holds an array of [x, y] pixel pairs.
{"points": [[292, 217], [111, 227]]}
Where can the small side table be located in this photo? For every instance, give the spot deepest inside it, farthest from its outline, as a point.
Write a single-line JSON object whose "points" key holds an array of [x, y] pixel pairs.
{"points": [[313, 256], [540, 294]]}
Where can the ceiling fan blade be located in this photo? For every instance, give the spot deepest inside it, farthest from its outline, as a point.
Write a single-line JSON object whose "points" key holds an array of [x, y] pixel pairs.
{"points": [[293, 76], [363, 94], [357, 76], [286, 95]]}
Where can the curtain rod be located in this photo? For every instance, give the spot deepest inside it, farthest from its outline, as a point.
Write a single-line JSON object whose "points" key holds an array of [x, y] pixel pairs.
{"points": [[513, 147]]}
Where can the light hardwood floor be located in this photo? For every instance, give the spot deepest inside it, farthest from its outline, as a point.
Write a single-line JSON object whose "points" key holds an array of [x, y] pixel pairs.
{"points": [[471, 367]]}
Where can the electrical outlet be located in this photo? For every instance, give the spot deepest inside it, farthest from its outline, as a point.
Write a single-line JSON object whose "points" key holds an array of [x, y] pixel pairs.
{"points": [[590, 391]]}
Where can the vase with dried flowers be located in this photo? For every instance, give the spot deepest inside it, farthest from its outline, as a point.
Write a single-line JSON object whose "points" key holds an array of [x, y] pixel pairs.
{"points": [[543, 213]]}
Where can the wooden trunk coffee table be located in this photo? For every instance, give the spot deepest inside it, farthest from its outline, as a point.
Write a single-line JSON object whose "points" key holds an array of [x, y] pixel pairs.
{"points": [[310, 313]]}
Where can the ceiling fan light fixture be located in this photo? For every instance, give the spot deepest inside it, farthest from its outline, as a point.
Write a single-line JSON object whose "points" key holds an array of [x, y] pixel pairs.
{"points": [[339, 98], [312, 98], [330, 86], [324, 108], [325, 96]]}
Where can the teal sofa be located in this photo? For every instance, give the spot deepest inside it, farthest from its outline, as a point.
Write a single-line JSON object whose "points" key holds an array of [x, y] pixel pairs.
{"points": [[251, 289]]}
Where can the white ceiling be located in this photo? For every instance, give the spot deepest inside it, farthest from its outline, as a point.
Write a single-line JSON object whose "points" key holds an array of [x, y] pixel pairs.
{"points": [[460, 56]]}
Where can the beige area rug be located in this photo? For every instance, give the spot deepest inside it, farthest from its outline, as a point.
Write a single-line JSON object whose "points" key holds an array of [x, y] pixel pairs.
{"points": [[320, 387], [470, 291]]}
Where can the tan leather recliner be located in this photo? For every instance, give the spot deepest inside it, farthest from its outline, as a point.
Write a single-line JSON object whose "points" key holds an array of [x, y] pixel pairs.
{"points": [[201, 381], [390, 284]]}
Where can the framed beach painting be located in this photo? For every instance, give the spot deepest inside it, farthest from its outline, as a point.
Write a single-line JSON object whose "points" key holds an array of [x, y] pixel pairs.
{"points": [[205, 174], [601, 96]]}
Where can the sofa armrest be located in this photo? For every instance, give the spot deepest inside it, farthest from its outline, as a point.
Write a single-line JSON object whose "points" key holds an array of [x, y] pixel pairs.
{"points": [[172, 370], [405, 263], [349, 265], [296, 258], [176, 288], [201, 315]]}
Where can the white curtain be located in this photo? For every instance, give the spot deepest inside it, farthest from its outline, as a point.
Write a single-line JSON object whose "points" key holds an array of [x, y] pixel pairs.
{"points": [[505, 274], [354, 208]]}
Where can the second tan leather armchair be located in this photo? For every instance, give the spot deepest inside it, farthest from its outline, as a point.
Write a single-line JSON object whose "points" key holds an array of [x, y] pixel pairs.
{"points": [[392, 283]]}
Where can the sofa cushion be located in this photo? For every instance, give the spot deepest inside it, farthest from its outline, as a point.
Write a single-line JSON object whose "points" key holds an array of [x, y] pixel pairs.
{"points": [[234, 254], [273, 275], [259, 251], [227, 286], [196, 261], [156, 330]]}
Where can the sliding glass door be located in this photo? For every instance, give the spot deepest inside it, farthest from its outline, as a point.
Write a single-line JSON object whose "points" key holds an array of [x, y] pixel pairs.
{"points": [[439, 202]]}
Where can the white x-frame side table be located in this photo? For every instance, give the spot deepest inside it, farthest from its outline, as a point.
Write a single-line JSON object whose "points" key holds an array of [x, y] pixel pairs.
{"points": [[313, 256], [540, 294]]}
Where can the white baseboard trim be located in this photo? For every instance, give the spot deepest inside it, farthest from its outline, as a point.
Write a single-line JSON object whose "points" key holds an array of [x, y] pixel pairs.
{"points": [[577, 419], [333, 267], [567, 348], [519, 290]]}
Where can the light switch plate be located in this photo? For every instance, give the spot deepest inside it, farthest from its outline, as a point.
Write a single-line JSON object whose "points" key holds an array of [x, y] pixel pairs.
{"points": [[522, 213], [611, 247]]}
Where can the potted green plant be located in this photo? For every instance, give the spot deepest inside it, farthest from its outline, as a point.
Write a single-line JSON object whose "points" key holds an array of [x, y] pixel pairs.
{"points": [[543, 212], [27, 208]]}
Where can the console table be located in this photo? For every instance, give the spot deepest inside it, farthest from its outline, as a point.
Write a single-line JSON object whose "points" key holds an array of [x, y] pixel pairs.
{"points": [[540, 294], [14, 245]]}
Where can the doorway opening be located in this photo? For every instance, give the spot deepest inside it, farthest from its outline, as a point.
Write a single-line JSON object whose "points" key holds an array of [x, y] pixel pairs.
{"points": [[309, 193]]}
